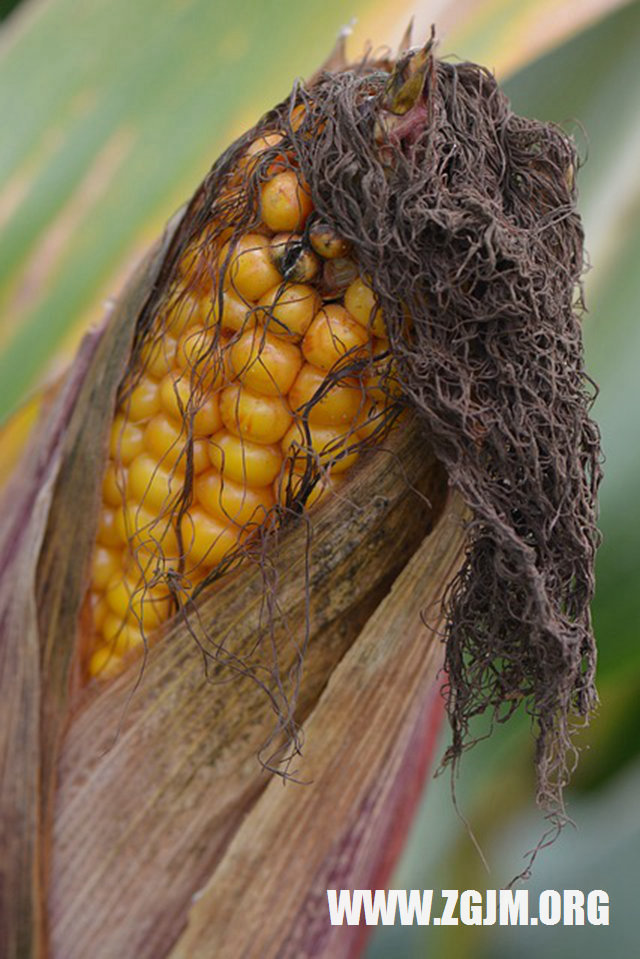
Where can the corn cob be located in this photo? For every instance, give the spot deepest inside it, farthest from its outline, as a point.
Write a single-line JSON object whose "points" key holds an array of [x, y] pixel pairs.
{"points": [[265, 371]]}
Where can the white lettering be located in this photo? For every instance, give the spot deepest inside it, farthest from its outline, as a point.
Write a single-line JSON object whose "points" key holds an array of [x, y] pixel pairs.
{"points": [[414, 907], [417, 909], [382, 908], [471, 908], [347, 906], [514, 907], [598, 907], [491, 899], [573, 907], [447, 918], [550, 907]]}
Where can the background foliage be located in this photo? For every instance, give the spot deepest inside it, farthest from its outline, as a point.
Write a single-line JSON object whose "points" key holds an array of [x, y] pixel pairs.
{"points": [[111, 113]]}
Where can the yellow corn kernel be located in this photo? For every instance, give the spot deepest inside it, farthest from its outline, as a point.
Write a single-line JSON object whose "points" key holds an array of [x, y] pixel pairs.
{"points": [[113, 484], [382, 386], [157, 355], [372, 419], [380, 378], [201, 356], [178, 400], [107, 530], [151, 562], [326, 242], [232, 312], [194, 348], [265, 363], [339, 404], [166, 440], [185, 310], [99, 609], [327, 445], [207, 539], [298, 116], [153, 485], [197, 265], [105, 563], [360, 302], [285, 202], [288, 309], [131, 599], [253, 464], [261, 419], [126, 440], [255, 152], [333, 335], [142, 529], [122, 636], [293, 258], [233, 502], [143, 401], [250, 271], [104, 663]]}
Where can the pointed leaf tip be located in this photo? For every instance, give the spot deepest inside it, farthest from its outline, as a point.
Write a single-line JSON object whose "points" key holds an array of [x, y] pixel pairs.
{"points": [[407, 37], [337, 59]]}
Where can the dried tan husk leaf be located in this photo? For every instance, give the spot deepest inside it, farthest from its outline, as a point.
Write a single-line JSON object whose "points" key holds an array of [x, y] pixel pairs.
{"points": [[370, 739]]}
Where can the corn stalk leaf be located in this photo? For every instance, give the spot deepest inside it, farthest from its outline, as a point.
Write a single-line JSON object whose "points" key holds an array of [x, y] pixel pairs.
{"points": [[108, 139], [506, 36]]}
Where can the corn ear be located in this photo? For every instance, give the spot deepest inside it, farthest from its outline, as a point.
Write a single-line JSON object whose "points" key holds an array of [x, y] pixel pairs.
{"points": [[127, 746]]}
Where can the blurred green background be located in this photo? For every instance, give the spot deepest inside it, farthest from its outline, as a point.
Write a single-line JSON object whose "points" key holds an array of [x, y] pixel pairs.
{"points": [[112, 111]]}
